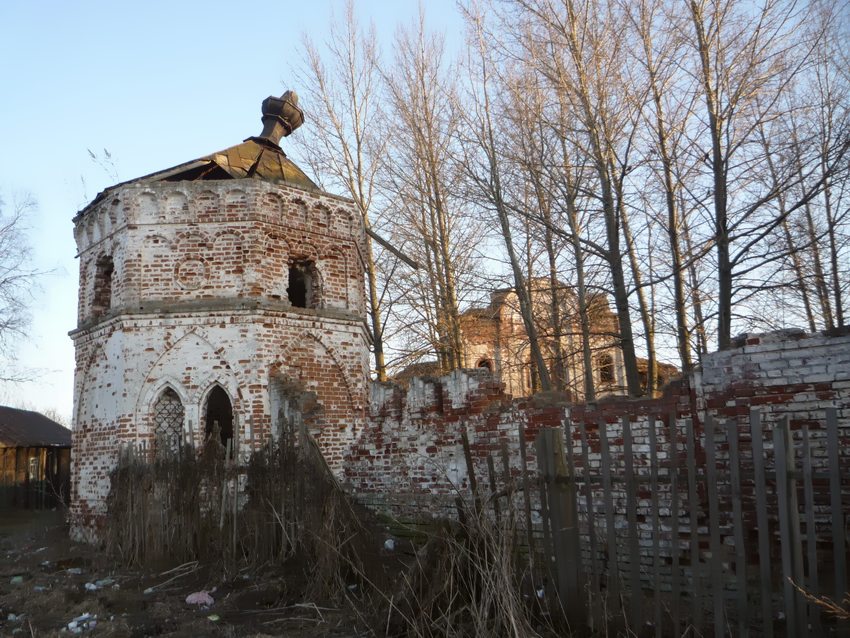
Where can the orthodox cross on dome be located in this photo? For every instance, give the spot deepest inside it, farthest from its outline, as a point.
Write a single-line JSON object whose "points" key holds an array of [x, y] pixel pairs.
{"points": [[281, 116]]}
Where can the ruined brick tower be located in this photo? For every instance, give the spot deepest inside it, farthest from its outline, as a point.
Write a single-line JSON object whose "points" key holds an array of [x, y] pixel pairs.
{"points": [[215, 296]]}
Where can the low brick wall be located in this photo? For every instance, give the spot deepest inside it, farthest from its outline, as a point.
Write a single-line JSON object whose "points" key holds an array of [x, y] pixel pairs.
{"points": [[409, 462]]}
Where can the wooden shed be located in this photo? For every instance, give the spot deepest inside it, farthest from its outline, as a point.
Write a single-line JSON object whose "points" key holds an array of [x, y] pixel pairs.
{"points": [[35, 460]]}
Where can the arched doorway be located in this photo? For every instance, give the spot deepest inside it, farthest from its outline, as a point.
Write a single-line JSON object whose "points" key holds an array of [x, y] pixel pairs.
{"points": [[218, 410]]}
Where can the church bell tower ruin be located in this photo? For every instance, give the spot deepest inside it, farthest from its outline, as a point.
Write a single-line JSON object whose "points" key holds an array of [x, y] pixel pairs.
{"points": [[214, 297]]}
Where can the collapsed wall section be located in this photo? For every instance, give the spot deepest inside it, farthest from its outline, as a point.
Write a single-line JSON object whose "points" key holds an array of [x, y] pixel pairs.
{"points": [[409, 461]]}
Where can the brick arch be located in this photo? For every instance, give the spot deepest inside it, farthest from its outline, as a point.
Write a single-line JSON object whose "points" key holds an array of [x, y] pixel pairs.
{"points": [[271, 204], [149, 395], [147, 205], [321, 214], [93, 229], [235, 197], [209, 350], [276, 238], [170, 365], [280, 363], [314, 366], [205, 205], [229, 382], [203, 242], [304, 250], [300, 209], [147, 419], [176, 203]]}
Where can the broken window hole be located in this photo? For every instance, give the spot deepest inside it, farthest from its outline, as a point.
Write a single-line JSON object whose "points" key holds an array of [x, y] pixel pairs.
{"points": [[303, 284], [606, 368], [486, 364], [103, 285]]}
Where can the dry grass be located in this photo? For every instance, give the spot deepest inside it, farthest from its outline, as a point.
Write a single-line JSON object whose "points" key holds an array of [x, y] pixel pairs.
{"points": [[283, 505], [468, 579]]}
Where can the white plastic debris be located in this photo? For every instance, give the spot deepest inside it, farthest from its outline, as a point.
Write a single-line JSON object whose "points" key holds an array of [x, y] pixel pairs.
{"points": [[389, 544], [78, 624], [201, 598]]}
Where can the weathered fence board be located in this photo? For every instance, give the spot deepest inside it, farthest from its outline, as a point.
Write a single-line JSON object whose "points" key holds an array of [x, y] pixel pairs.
{"points": [[693, 524], [644, 480], [635, 597], [738, 526], [718, 619], [657, 619], [766, 593], [675, 574], [811, 534]]}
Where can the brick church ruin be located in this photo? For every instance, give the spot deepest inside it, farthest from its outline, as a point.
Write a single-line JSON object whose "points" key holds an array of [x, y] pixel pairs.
{"points": [[210, 294], [225, 296]]}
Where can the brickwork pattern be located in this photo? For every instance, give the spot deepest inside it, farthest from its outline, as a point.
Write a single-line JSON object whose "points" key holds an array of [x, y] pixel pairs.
{"points": [[409, 461], [198, 299]]}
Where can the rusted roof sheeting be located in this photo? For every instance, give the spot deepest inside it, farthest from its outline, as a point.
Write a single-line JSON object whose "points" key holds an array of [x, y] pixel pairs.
{"points": [[22, 428], [255, 158]]}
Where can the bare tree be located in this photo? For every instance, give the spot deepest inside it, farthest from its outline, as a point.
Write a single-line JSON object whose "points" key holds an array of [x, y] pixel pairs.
{"points": [[422, 121], [483, 165], [577, 51], [17, 278], [747, 57], [657, 51], [346, 148]]}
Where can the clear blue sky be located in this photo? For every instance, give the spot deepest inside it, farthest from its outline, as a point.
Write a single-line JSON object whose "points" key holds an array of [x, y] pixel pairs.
{"points": [[156, 83]]}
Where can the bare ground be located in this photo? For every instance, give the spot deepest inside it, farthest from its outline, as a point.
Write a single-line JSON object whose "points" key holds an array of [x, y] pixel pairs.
{"points": [[47, 581]]}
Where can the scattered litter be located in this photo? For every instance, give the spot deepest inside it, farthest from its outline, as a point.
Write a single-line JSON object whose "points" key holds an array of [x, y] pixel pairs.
{"points": [[100, 584], [389, 544], [17, 580], [179, 571], [40, 549], [214, 617], [80, 623], [201, 598], [14, 617], [39, 588], [352, 587], [75, 571]]}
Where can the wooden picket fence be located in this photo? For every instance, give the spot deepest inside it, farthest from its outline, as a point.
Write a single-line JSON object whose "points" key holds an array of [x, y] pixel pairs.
{"points": [[717, 530]]}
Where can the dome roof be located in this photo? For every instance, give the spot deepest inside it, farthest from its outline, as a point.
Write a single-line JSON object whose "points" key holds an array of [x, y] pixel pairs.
{"points": [[255, 158]]}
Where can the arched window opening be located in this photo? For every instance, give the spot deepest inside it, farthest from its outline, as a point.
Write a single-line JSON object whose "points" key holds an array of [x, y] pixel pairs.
{"points": [[219, 414], [103, 285], [605, 363], [303, 280], [486, 364], [167, 423]]}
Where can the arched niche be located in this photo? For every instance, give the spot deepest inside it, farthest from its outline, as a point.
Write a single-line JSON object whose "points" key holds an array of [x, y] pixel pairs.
{"points": [[167, 418], [217, 414]]}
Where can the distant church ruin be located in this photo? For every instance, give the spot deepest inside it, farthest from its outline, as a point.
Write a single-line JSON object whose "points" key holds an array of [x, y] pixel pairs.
{"points": [[211, 294]]}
